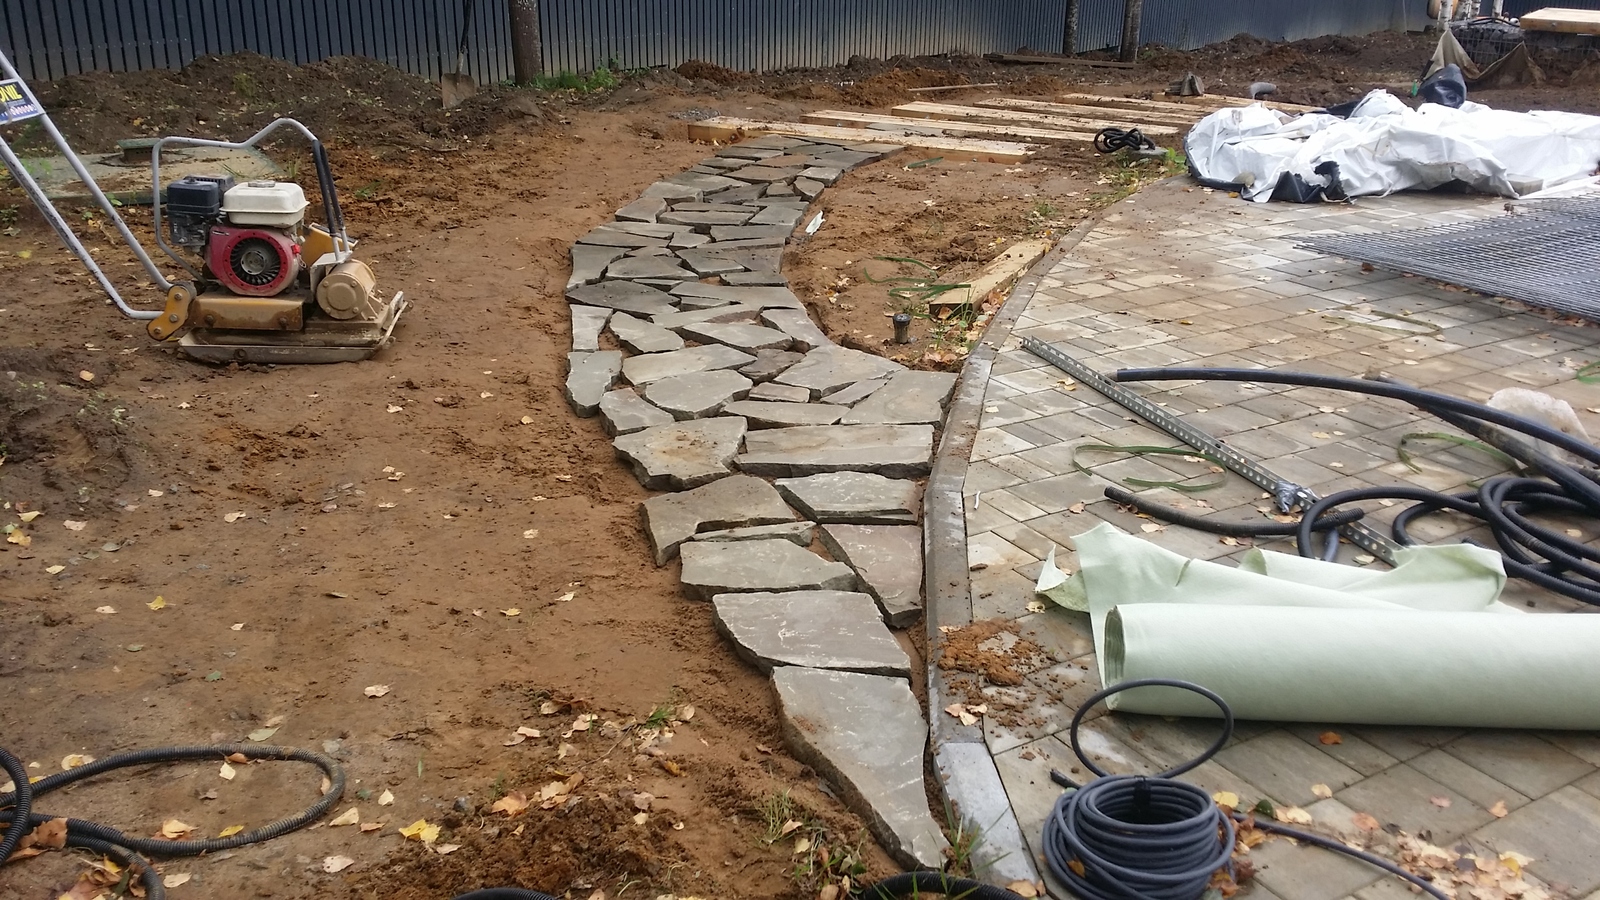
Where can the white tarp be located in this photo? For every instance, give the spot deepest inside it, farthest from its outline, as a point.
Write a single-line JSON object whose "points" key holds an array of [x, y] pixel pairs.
{"points": [[1385, 146]]}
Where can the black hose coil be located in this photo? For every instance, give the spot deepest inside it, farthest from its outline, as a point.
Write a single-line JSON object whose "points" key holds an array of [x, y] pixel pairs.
{"points": [[1110, 140]]}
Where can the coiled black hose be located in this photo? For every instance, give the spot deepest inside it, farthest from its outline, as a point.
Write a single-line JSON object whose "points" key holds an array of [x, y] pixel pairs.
{"points": [[1110, 140], [17, 814], [1232, 529], [1545, 556], [1123, 836]]}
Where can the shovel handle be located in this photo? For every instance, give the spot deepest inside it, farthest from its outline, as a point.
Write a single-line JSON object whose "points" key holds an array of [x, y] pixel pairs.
{"points": [[466, 30]]}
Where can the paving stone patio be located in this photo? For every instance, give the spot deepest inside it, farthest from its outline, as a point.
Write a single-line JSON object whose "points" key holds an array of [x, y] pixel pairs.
{"points": [[1181, 275]]}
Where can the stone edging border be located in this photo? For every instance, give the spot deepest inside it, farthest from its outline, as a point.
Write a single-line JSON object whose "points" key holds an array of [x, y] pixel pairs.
{"points": [[965, 771]]}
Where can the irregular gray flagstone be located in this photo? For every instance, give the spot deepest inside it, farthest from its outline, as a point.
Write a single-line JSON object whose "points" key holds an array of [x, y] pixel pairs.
{"points": [[610, 237], [827, 369], [762, 297], [624, 295], [684, 454], [688, 239], [748, 338], [706, 183], [736, 502], [770, 364], [589, 376], [659, 283], [697, 394], [894, 451], [641, 336], [866, 735], [808, 188], [722, 163], [670, 191], [645, 229], [677, 321], [850, 395], [854, 498], [649, 251], [712, 207], [850, 157], [720, 233], [798, 325], [782, 190], [730, 567], [796, 202], [910, 398], [888, 560], [742, 194], [819, 629], [702, 221], [800, 533], [765, 173], [589, 263], [777, 393], [769, 414], [824, 174], [754, 279], [768, 259], [656, 366], [771, 142], [657, 267], [645, 209], [624, 412], [766, 243], [587, 323], [708, 262], [693, 303], [783, 216], [745, 151]]}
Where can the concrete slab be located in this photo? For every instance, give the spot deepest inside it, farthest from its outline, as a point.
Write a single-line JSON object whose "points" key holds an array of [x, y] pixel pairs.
{"points": [[888, 560], [642, 336], [768, 414], [748, 338], [818, 629], [866, 735], [733, 313], [798, 533], [736, 502], [640, 370], [777, 393], [589, 263], [589, 376], [587, 323], [682, 455], [854, 498], [696, 395], [669, 191], [895, 451], [721, 567], [851, 394], [625, 296], [661, 268], [645, 209], [624, 412], [827, 369], [798, 325], [708, 262], [702, 221], [760, 297], [910, 398]]}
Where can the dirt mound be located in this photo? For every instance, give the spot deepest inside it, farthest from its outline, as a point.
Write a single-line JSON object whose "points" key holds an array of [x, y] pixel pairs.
{"points": [[54, 417], [889, 88], [704, 71]]}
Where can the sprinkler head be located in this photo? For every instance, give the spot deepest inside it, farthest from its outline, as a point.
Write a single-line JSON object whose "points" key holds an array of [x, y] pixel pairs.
{"points": [[902, 328]]}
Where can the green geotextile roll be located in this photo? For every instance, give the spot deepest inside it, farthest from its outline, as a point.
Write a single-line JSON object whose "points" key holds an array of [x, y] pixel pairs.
{"points": [[1359, 665], [1290, 639]]}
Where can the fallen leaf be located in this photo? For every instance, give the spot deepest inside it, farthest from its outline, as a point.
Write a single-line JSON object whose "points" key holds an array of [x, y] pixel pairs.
{"points": [[262, 734], [1291, 815], [514, 740], [420, 830], [386, 798], [174, 830], [1151, 528], [107, 610], [74, 760], [237, 626], [30, 515], [446, 849], [685, 713], [1329, 738], [55, 570], [232, 517], [351, 816], [527, 420], [512, 804], [335, 864], [1023, 889], [134, 648], [640, 818], [1441, 802], [230, 831], [392, 408], [1498, 810], [176, 880], [369, 827], [79, 526], [213, 676], [525, 731], [642, 801], [1036, 606], [565, 750], [531, 533], [566, 597], [1365, 822], [239, 758], [375, 690], [1322, 791], [158, 603], [1076, 866], [1226, 799], [1365, 559], [484, 395], [18, 538], [671, 768], [513, 611], [226, 773], [583, 721], [802, 844]]}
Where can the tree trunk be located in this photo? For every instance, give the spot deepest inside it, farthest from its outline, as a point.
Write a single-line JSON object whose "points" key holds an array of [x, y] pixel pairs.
{"points": [[1131, 10], [1069, 29], [527, 51]]}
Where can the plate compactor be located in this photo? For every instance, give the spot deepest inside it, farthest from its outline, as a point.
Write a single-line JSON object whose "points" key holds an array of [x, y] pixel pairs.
{"points": [[264, 286]]}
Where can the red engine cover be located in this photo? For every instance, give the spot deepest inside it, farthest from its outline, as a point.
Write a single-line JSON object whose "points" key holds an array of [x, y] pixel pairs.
{"points": [[255, 262]]}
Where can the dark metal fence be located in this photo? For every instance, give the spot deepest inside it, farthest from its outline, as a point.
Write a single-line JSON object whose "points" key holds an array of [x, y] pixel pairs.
{"points": [[53, 38]]}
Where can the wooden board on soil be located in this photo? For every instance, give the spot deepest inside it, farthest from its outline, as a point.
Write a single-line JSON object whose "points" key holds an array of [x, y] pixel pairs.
{"points": [[894, 125], [1567, 21], [952, 112], [729, 128]]}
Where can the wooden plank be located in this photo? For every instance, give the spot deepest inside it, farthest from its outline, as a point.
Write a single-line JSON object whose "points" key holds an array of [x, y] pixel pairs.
{"points": [[728, 129], [1566, 21], [1027, 59], [1064, 123], [1212, 102], [895, 124], [952, 87], [1133, 116]]}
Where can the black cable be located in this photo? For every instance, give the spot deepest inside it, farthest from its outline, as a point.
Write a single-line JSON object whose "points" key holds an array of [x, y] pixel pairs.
{"points": [[916, 884], [16, 807], [1136, 836], [1545, 556], [1231, 529], [1110, 140]]}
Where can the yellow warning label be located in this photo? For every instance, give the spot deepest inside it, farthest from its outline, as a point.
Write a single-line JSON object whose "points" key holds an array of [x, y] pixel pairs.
{"points": [[9, 92]]}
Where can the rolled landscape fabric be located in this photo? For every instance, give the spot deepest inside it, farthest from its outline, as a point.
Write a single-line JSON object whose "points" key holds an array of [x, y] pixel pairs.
{"points": [[1291, 639]]}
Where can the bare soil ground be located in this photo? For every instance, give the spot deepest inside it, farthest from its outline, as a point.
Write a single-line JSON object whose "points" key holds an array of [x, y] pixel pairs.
{"points": [[481, 568]]}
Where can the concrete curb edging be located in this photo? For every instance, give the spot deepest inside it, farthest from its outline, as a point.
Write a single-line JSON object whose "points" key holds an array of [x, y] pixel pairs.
{"points": [[966, 773]]}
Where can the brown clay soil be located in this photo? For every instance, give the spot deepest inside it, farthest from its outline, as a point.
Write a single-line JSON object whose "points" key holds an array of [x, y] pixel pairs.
{"points": [[476, 550]]}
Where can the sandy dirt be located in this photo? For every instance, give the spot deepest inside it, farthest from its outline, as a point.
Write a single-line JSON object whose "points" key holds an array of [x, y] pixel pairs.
{"points": [[482, 569]]}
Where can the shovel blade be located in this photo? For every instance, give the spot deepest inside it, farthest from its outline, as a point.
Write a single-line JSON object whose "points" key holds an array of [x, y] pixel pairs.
{"points": [[455, 88]]}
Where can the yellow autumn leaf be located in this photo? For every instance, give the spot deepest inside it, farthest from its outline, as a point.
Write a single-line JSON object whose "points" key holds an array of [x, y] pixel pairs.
{"points": [[172, 829], [230, 831], [513, 611], [1321, 791], [30, 515], [420, 830], [158, 603], [352, 816], [1226, 799]]}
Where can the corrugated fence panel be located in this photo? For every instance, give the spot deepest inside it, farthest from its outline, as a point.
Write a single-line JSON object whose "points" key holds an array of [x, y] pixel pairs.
{"points": [[49, 39]]}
